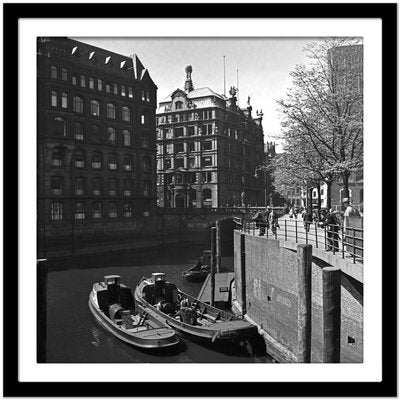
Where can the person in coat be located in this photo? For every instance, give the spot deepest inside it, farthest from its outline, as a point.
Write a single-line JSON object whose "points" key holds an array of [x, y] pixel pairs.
{"points": [[307, 219], [332, 226]]}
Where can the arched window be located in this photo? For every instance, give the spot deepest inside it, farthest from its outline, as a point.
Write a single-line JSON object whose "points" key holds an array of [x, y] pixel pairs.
{"points": [[91, 83], [127, 163], [56, 185], [207, 195], [178, 105], [112, 209], [111, 137], [146, 164], [99, 84], [64, 100], [110, 111], [115, 86], [126, 114], [130, 92], [123, 93], [96, 161], [83, 81], [53, 98], [79, 160], [126, 137], [127, 187], [94, 107], [96, 133], [60, 126], [56, 158], [77, 104], [54, 72], [78, 131], [112, 162]]}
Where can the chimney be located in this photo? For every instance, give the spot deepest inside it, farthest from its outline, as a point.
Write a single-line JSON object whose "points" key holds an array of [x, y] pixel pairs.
{"points": [[188, 83]]}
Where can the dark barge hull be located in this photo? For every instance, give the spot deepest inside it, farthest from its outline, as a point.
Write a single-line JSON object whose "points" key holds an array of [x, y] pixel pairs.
{"points": [[235, 329], [147, 339]]}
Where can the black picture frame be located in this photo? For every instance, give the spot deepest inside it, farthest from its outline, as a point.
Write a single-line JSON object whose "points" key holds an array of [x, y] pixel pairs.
{"points": [[12, 386]]}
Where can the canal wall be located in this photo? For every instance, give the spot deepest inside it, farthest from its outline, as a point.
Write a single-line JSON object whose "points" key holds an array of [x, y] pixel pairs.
{"points": [[270, 288]]}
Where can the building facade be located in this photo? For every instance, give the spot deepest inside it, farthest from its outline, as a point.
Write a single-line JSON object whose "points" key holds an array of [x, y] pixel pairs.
{"points": [[96, 139], [208, 149]]}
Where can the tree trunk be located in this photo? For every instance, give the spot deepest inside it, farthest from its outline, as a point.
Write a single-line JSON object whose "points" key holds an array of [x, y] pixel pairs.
{"points": [[328, 194], [345, 177], [309, 196], [319, 199]]}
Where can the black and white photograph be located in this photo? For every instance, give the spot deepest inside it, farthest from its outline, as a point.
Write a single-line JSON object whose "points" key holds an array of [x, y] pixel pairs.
{"points": [[199, 200]]}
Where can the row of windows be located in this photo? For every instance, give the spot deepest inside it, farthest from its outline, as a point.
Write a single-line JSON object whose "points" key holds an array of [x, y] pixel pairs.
{"points": [[179, 162], [96, 135], [97, 187], [191, 130], [186, 116], [97, 211], [96, 162], [78, 106], [181, 148], [191, 177], [92, 83]]}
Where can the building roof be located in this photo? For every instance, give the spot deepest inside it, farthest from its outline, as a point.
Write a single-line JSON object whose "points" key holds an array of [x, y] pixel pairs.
{"points": [[201, 92]]}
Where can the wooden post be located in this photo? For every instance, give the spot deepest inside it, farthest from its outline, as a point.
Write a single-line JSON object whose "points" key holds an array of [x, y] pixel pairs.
{"points": [[304, 257], [219, 227], [243, 271], [213, 262], [331, 287], [41, 310]]}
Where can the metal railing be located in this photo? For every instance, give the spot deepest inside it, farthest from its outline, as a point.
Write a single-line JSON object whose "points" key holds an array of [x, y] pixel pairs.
{"points": [[348, 242]]}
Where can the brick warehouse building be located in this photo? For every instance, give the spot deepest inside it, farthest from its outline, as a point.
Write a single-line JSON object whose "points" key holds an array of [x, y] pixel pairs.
{"points": [[96, 142], [207, 150]]}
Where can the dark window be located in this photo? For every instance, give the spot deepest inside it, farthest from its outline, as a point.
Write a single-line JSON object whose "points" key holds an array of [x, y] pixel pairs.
{"points": [[79, 210], [146, 188], [64, 74], [99, 84], [127, 187], [178, 132], [112, 187], [207, 195], [54, 71], [192, 162], [115, 88], [178, 105], [96, 133], [77, 104], [190, 130], [79, 160], [179, 162], [112, 162], [56, 185], [206, 161], [108, 88], [83, 81], [74, 79], [207, 145], [96, 161], [145, 140], [60, 126], [79, 186], [126, 137], [56, 158], [96, 210], [146, 164], [167, 163], [111, 136], [91, 83], [179, 147], [56, 211], [191, 146], [78, 131], [110, 111], [127, 163], [96, 186], [112, 210], [128, 209]]}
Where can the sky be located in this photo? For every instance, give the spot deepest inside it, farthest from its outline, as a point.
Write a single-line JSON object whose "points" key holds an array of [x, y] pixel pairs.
{"points": [[263, 64]]}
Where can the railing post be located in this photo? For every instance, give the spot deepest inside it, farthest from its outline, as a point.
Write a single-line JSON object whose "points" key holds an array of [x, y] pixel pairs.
{"points": [[296, 229], [325, 238], [213, 254], [307, 226], [316, 235], [343, 240], [354, 244], [285, 230], [243, 272]]}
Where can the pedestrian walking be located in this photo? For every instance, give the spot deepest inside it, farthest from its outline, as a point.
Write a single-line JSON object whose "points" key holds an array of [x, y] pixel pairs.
{"points": [[332, 226], [307, 219], [273, 221], [259, 220]]}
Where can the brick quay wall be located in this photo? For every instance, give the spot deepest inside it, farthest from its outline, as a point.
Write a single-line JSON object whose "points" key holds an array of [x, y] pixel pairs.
{"points": [[270, 296]]}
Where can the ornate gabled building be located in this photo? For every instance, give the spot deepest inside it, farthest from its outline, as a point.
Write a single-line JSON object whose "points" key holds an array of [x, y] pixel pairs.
{"points": [[207, 150], [96, 141]]}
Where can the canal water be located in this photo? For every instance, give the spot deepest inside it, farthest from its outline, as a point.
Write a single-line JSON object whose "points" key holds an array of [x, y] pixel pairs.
{"points": [[74, 336]]}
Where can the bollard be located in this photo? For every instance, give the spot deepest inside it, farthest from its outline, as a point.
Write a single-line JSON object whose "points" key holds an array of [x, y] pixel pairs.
{"points": [[213, 262], [304, 257], [41, 310], [243, 272], [331, 314]]}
